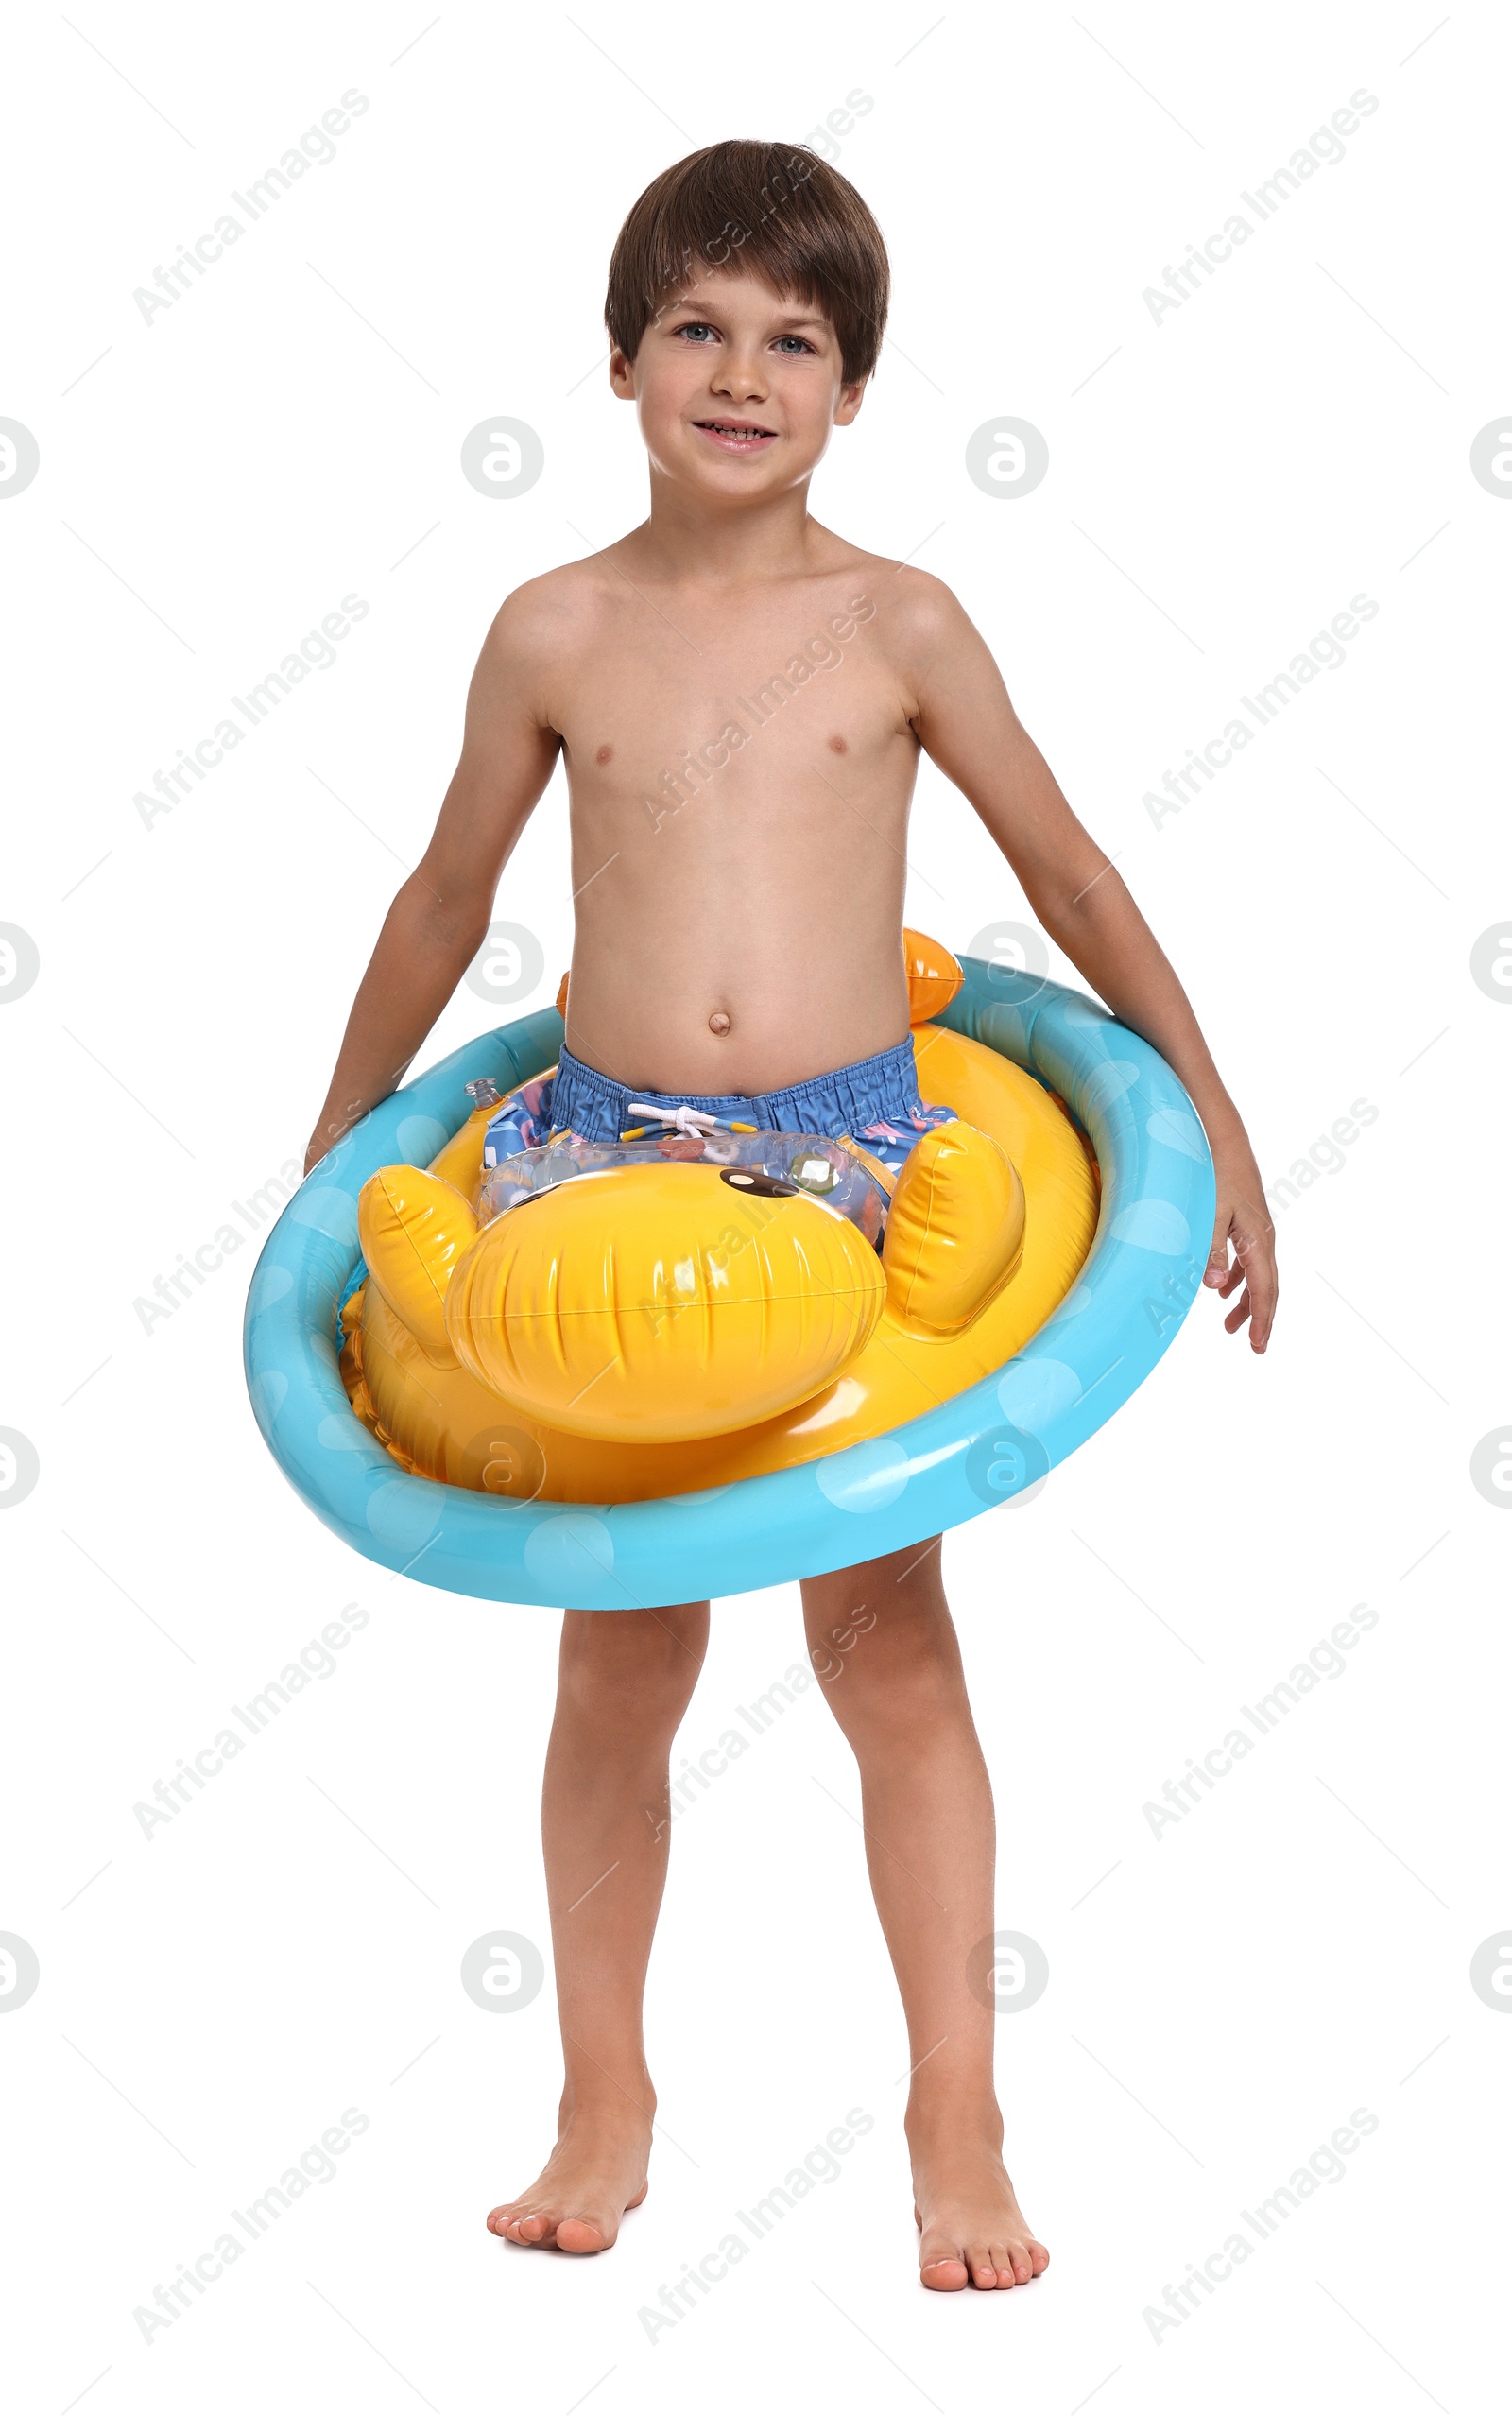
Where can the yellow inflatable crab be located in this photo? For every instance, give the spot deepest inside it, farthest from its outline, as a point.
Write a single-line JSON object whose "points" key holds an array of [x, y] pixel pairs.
{"points": [[643, 1330]]}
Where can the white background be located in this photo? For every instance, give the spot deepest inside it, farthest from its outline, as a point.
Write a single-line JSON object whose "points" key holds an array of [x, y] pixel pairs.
{"points": [[1221, 483]]}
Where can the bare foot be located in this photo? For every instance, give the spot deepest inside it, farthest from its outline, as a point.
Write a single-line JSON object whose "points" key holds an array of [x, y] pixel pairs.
{"points": [[596, 2173], [971, 2233]]}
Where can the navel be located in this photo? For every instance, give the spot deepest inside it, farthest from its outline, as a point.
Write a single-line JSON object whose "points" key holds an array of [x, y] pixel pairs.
{"points": [[719, 1024], [605, 752]]}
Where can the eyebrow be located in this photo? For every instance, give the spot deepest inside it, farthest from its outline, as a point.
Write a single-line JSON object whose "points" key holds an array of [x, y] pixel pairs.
{"points": [[812, 319]]}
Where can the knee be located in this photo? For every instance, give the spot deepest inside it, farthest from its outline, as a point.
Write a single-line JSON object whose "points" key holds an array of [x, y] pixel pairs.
{"points": [[633, 1670], [902, 1675], [881, 1632]]}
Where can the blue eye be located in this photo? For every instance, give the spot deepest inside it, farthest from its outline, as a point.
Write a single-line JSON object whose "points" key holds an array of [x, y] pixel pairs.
{"points": [[696, 329], [801, 343]]}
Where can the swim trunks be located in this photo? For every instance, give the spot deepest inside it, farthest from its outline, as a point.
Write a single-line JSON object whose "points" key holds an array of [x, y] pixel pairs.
{"points": [[875, 1103]]}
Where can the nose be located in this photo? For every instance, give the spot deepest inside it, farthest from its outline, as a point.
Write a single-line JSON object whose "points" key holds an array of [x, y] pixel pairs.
{"points": [[741, 377]]}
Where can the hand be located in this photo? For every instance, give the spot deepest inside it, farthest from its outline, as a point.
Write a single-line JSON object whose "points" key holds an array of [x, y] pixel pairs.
{"points": [[1244, 1219], [323, 1137], [332, 1128], [340, 1117]]}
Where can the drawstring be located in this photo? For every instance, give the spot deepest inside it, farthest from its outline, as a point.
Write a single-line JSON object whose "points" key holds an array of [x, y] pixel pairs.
{"points": [[692, 1122]]}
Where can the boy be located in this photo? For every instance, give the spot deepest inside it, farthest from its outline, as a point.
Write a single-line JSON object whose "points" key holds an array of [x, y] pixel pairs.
{"points": [[739, 889]]}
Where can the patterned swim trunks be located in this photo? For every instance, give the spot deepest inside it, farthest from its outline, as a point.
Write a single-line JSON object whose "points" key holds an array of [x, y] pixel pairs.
{"points": [[876, 1104]]}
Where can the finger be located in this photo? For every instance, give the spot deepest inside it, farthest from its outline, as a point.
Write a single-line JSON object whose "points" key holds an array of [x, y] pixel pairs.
{"points": [[1217, 1267], [1265, 1291], [1236, 1318], [1252, 1242], [1257, 1256]]}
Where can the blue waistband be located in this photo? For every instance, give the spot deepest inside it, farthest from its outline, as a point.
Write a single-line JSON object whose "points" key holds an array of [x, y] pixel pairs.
{"points": [[881, 1088]]}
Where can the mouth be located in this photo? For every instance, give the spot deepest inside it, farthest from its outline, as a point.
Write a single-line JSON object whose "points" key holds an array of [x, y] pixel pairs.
{"points": [[735, 437]]}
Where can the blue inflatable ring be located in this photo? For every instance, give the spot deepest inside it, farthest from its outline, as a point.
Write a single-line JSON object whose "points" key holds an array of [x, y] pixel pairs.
{"points": [[964, 1456]]}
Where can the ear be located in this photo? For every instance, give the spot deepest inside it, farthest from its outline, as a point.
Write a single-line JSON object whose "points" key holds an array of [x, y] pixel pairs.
{"points": [[849, 406], [954, 1230], [934, 976], [621, 372]]}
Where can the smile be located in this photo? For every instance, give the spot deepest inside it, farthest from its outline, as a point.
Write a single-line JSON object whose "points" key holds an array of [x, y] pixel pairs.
{"points": [[740, 439]]}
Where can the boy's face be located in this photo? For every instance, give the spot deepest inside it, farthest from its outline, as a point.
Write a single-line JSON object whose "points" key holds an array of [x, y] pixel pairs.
{"points": [[738, 388]]}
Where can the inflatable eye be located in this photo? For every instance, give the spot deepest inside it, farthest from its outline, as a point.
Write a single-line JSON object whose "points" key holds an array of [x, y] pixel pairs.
{"points": [[761, 1186]]}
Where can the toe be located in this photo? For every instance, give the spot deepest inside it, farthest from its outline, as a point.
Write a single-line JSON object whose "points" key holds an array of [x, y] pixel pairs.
{"points": [[1003, 2265], [1038, 2256], [979, 2264], [946, 2275], [1019, 2262], [942, 2268], [575, 2236]]}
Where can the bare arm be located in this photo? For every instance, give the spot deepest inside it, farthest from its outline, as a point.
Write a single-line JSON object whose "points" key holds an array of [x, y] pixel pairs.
{"points": [[966, 722], [440, 915]]}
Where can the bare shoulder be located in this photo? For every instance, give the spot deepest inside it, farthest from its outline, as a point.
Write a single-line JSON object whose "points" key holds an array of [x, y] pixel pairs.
{"points": [[543, 626], [551, 612], [916, 613], [921, 630]]}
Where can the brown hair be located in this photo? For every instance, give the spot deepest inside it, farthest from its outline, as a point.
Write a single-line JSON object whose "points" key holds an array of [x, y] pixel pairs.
{"points": [[776, 210]]}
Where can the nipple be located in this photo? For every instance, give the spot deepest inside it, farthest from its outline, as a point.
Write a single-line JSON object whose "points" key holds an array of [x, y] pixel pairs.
{"points": [[719, 1024]]}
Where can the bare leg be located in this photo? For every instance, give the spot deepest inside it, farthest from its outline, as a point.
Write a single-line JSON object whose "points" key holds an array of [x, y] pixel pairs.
{"points": [[623, 1685], [884, 1646]]}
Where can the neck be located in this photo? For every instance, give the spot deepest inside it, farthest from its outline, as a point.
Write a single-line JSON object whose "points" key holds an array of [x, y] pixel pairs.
{"points": [[685, 537]]}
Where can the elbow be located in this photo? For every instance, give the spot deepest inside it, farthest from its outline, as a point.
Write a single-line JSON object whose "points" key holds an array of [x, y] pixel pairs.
{"points": [[452, 925], [1075, 909]]}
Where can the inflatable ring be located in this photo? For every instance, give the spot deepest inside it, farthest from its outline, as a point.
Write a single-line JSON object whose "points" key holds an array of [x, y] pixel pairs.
{"points": [[965, 1454]]}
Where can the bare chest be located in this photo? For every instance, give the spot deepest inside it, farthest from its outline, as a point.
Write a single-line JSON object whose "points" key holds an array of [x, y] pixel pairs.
{"points": [[769, 703]]}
